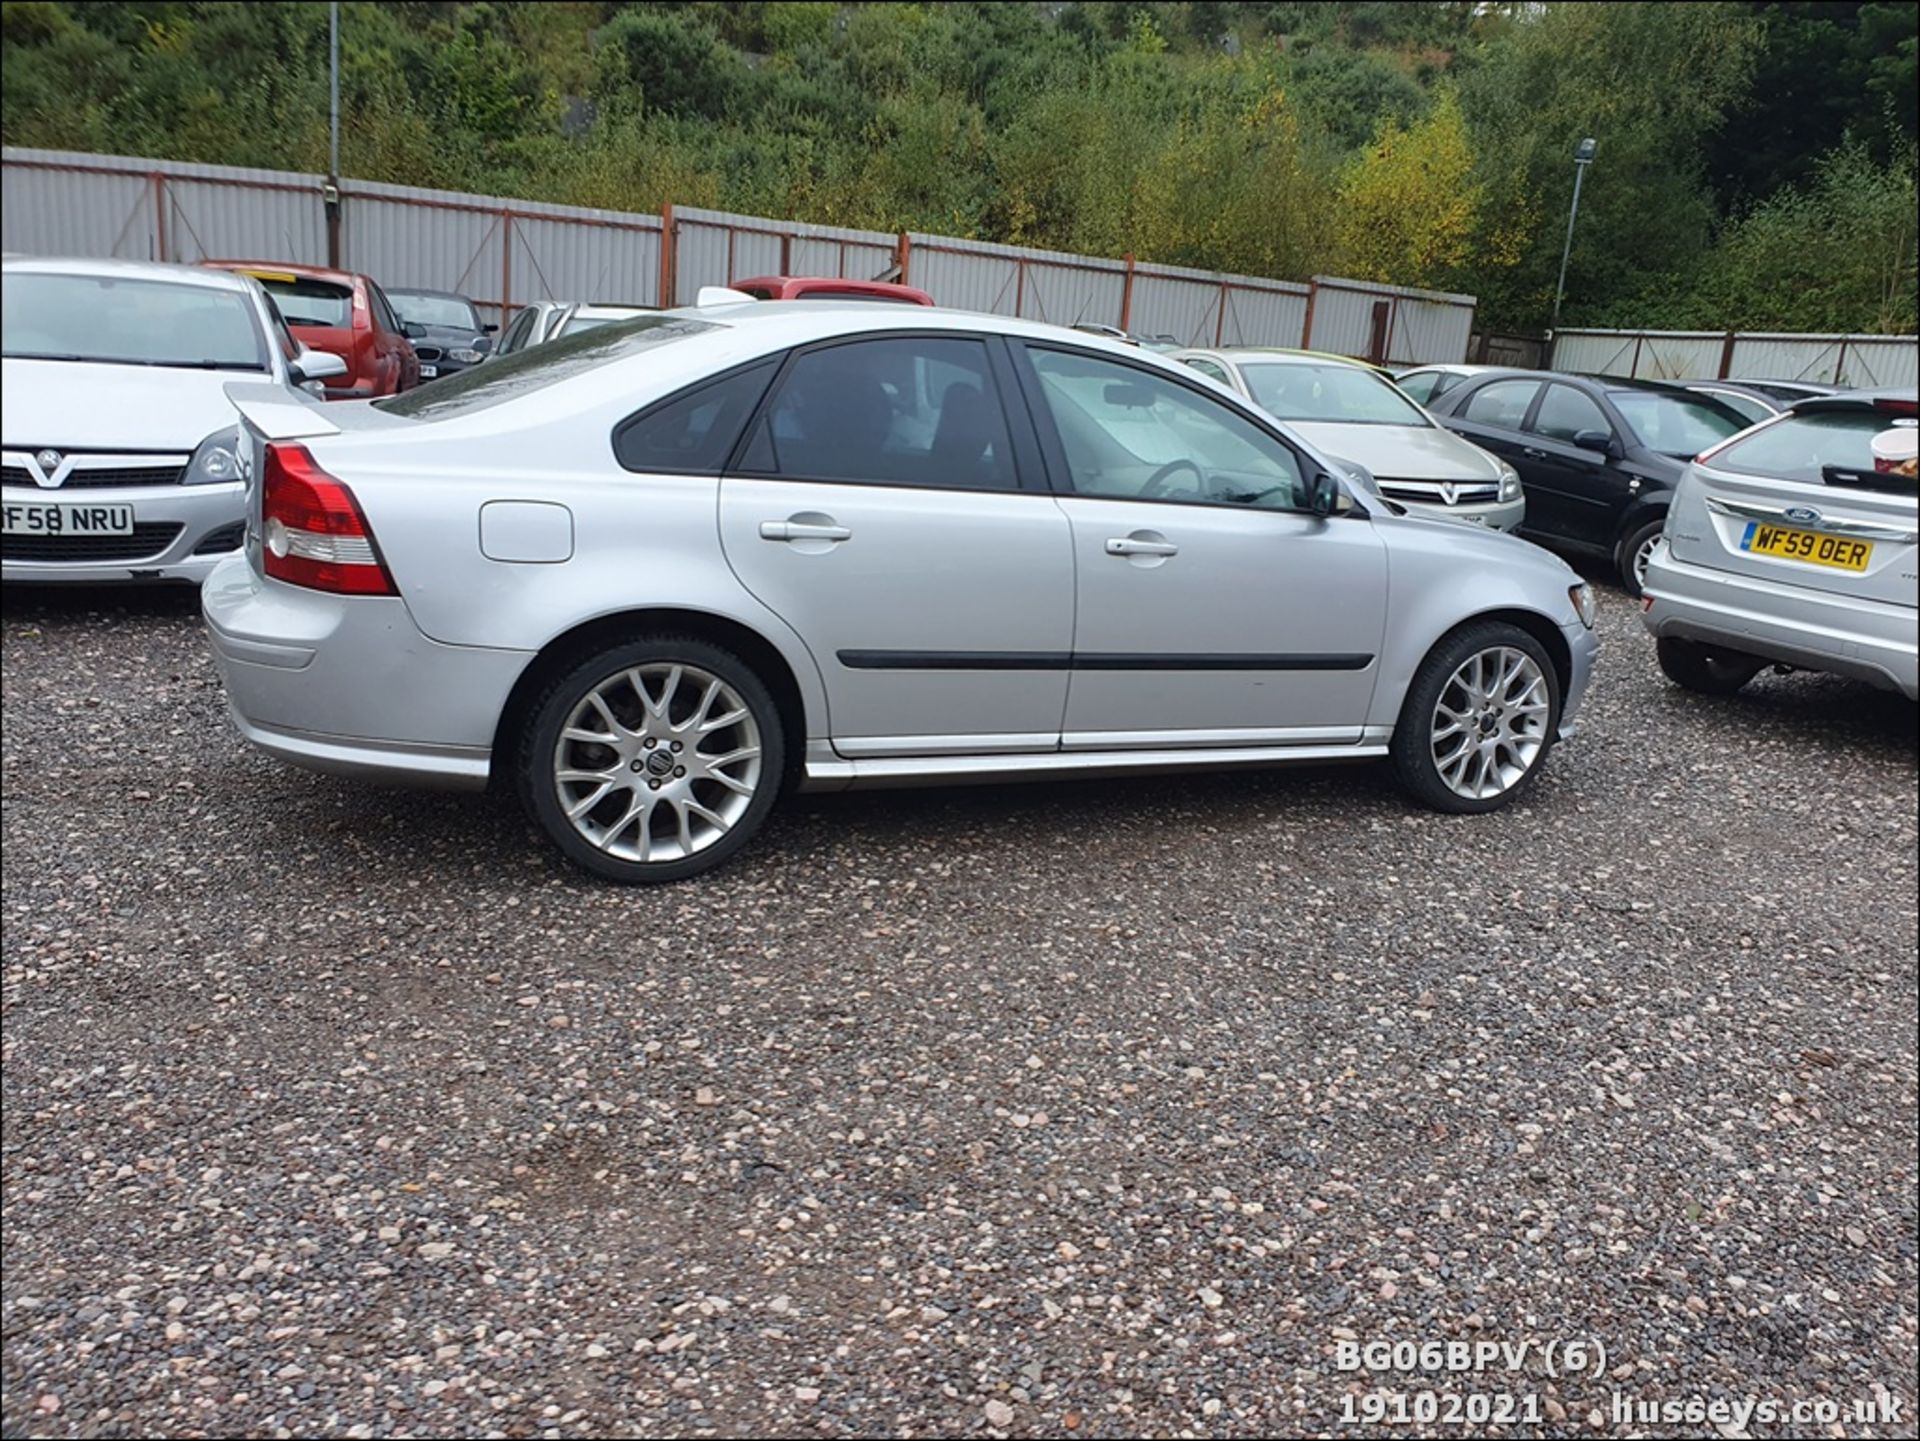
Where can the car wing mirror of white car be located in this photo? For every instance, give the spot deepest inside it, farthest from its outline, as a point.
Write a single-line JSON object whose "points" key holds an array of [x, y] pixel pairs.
{"points": [[316, 365]]}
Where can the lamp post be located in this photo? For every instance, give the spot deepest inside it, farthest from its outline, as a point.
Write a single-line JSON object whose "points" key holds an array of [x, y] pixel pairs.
{"points": [[1582, 158]]}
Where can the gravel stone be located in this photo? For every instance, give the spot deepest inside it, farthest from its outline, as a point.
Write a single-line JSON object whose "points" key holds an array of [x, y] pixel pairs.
{"points": [[294, 1143]]}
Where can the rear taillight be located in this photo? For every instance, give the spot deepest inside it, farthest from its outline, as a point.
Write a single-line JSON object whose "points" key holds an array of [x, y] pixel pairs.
{"points": [[313, 530], [1896, 405]]}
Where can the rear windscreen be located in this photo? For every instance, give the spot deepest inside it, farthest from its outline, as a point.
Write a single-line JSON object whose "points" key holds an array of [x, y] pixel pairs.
{"points": [[1802, 446], [311, 302], [508, 377]]}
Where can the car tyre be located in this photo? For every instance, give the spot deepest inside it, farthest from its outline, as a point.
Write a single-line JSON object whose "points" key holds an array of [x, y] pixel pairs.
{"points": [[1488, 687], [654, 760], [1633, 552], [1701, 668]]}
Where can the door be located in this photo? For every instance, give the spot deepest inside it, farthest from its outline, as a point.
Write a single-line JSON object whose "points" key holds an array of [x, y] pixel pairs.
{"points": [[1574, 493], [879, 508], [1213, 609]]}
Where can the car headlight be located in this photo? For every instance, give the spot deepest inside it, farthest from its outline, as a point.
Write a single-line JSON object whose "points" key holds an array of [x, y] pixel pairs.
{"points": [[1583, 603], [1509, 482], [467, 357], [217, 461]]}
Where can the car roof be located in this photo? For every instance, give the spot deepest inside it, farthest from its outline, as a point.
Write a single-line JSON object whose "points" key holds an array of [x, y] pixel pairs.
{"points": [[304, 272], [159, 270], [422, 290], [824, 319], [610, 312]]}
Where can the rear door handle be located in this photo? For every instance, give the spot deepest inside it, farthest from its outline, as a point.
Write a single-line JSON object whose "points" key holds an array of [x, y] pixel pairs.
{"points": [[802, 530], [1129, 546], [1530, 451]]}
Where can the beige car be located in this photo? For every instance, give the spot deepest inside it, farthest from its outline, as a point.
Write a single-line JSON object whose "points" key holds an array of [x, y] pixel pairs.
{"points": [[1352, 411]]}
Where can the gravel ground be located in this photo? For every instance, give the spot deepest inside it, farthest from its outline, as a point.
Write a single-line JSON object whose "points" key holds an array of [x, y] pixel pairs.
{"points": [[1083, 1109]]}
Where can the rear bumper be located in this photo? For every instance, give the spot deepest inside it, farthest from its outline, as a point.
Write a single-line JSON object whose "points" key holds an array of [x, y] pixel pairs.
{"points": [[200, 512], [349, 685], [1790, 625]]}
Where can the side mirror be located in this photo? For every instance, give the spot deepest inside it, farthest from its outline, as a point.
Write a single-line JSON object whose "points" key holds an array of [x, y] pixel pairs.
{"points": [[316, 365], [412, 329], [490, 329], [1600, 440], [1326, 499]]}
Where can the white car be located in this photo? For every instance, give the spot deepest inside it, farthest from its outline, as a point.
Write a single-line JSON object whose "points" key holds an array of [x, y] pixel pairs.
{"points": [[592, 317], [120, 445], [1353, 413]]}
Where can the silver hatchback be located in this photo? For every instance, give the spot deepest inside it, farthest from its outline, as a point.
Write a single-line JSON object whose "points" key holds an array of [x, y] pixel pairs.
{"points": [[1788, 545], [653, 573]]}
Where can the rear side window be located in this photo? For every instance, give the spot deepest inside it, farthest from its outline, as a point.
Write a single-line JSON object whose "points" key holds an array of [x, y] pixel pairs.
{"points": [[1676, 425], [311, 302], [1803, 446], [1750, 409], [693, 432], [916, 410], [1503, 403]]}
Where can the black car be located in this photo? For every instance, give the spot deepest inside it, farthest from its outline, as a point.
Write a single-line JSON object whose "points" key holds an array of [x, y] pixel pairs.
{"points": [[446, 330], [1599, 455]]}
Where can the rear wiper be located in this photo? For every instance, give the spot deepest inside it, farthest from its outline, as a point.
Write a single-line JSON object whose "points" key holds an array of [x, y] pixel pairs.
{"points": [[1854, 478]]}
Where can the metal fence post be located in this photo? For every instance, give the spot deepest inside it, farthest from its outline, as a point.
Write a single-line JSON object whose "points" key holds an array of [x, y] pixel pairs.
{"points": [[159, 215], [1306, 321], [665, 282], [1726, 356], [506, 264], [1126, 294], [902, 254]]}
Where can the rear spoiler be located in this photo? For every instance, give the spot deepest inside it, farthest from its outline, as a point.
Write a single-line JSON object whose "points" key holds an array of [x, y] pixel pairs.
{"points": [[276, 413]]}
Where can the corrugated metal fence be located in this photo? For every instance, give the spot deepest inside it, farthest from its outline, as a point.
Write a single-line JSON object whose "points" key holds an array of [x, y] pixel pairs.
{"points": [[505, 253], [1850, 360]]}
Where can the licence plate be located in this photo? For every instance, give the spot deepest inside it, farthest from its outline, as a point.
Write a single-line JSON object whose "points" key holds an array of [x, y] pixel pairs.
{"points": [[31, 518], [1809, 547], [428, 372]]}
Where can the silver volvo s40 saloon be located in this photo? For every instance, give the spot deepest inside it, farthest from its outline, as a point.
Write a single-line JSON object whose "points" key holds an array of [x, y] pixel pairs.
{"points": [[654, 572]]}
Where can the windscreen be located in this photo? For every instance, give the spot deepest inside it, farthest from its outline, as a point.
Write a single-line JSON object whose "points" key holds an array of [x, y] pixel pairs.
{"points": [[1802, 446], [129, 322], [449, 312], [1338, 393], [508, 377], [311, 302], [1678, 425]]}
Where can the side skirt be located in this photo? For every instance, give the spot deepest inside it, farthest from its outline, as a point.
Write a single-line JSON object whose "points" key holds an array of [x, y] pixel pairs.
{"points": [[826, 772]]}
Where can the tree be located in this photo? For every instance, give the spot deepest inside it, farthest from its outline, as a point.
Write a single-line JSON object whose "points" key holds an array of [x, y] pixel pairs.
{"points": [[1408, 204]]}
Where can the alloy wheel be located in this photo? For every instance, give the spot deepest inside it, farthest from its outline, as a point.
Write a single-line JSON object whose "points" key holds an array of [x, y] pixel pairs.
{"points": [[657, 762], [1490, 722]]}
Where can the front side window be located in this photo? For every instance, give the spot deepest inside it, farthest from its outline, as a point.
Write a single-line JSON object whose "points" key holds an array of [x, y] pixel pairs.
{"points": [[1678, 425], [1565, 413], [129, 322], [1343, 394], [1210, 370], [1503, 403], [1133, 435], [906, 411]]}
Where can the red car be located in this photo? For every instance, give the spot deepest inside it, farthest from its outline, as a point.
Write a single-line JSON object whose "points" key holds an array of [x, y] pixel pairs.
{"points": [[821, 287], [342, 312]]}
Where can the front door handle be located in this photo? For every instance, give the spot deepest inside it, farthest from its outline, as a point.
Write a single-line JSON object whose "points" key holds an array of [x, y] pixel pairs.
{"points": [[1128, 545], [803, 530], [1535, 454]]}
